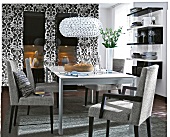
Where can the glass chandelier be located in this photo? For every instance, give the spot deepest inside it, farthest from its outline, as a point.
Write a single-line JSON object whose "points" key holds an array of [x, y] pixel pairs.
{"points": [[80, 27]]}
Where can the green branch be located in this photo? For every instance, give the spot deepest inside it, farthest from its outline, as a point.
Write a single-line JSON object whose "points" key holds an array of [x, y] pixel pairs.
{"points": [[110, 37]]}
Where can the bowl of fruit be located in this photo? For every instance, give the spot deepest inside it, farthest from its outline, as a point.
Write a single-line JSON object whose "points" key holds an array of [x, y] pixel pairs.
{"points": [[83, 67], [69, 67]]}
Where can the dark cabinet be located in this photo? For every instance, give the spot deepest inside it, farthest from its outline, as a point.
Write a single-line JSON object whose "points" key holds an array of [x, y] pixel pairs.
{"points": [[136, 70], [149, 35]]}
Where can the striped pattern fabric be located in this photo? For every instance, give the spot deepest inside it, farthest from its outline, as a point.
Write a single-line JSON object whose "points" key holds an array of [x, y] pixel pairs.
{"points": [[23, 83]]}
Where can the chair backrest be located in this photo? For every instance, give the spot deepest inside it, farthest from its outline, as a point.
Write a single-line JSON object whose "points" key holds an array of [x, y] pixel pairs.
{"points": [[146, 89], [13, 89], [29, 72], [118, 65]]}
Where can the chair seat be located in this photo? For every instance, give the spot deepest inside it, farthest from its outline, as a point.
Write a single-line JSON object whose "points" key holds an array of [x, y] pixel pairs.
{"points": [[117, 110], [47, 100], [102, 87], [50, 87]]}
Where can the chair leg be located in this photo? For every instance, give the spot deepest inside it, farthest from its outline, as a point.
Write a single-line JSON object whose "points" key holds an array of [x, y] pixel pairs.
{"points": [[28, 110], [148, 123], [91, 120], [107, 128], [15, 116], [109, 91], [57, 96], [11, 118], [86, 94], [51, 118], [136, 131], [119, 91], [97, 96]]}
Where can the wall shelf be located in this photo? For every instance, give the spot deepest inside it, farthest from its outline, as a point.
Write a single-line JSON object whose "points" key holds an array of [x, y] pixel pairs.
{"points": [[144, 11], [140, 27], [143, 43]]}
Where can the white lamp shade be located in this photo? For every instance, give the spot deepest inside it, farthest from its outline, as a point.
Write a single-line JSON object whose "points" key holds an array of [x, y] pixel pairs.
{"points": [[80, 27]]}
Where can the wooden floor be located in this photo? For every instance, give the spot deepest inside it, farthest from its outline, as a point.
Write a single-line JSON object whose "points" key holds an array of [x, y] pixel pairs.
{"points": [[159, 107]]}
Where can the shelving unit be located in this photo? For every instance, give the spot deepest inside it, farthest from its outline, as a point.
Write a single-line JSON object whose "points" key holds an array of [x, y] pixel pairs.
{"points": [[145, 31]]}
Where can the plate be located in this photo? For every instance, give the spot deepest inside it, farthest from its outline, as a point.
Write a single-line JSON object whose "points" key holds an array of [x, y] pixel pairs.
{"points": [[62, 72]]}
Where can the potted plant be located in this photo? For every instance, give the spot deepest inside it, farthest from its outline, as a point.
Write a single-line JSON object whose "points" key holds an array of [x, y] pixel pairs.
{"points": [[110, 38]]}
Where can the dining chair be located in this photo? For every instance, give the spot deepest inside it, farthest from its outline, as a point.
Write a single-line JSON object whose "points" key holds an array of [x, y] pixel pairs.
{"points": [[118, 66], [51, 87], [21, 93], [127, 109]]}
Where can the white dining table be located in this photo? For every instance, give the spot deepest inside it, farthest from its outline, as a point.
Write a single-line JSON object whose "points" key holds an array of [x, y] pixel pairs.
{"points": [[91, 79]]}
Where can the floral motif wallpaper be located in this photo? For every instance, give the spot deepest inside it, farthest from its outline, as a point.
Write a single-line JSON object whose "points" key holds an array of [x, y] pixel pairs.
{"points": [[12, 31]]}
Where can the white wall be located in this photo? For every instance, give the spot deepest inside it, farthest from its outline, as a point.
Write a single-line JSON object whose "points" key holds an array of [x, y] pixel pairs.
{"points": [[105, 16], [110, 19], [115, 17], [120, 19]]}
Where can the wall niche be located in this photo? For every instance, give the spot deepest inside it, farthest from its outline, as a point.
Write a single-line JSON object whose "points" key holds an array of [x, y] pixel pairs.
{"points": [[66, 45], [34, 38]]}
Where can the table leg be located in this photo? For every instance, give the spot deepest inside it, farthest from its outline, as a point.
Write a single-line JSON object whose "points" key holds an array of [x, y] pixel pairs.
{"points": [[91, 96], [46, 72], [60, 129], [132, 92]]}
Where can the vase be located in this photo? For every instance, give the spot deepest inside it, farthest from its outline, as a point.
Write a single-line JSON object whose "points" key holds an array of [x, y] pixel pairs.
{"points": [[65, 60], [109, 59]]}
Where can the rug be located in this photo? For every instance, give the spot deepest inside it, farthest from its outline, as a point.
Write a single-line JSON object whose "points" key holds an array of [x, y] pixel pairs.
{"points": [[75, 123]]}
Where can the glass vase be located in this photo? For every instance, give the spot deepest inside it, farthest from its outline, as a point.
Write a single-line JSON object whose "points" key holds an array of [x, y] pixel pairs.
{"points": [[109, 59]]}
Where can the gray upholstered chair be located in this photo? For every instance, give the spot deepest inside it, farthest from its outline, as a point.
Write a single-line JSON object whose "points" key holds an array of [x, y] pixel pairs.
{"points": [[118, 66], [17, 100], [50, 87], [132, 110]]}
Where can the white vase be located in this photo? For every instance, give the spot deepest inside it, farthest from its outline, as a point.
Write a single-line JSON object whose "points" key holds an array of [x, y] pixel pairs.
{"points": [[109, 59]]}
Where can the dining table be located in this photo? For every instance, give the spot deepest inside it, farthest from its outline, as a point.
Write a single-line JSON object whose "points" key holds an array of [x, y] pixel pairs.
{"points": [[84, 78]]}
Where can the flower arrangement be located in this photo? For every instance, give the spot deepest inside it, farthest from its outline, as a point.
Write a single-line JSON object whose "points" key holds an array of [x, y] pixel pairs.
{"points": [[110, 37]]}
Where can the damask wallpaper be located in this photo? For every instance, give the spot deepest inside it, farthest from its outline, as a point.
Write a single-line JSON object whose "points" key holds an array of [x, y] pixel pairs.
{"points": [[12, 31]]}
